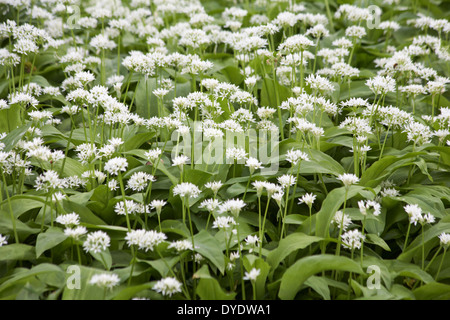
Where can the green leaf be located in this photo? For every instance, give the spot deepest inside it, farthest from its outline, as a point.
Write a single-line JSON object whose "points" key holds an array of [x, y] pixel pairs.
{"points": [[210, 248], [17, 251], [433, 291], [291, 243], [403, 269], [144, 92], [330, 205], [104, 257], [161, 265], [268, 94], [86, 215], [428, 235], [383, 168], [85, 291], [373, 238], [49, 239], [22, 203], [39, 270], [14, 136], [320, 285], [250, 262], [130, 292], [6, 226], [294, 219], [208, 288], [175, 226], [300, 271]]}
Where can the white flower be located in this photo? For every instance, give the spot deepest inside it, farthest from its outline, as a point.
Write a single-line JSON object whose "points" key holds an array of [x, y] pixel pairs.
{"points": [[234, 206], [390, 192], [295, 156], [153, 154], [414, 213], [113, 185], [96, 242], [236, 153], [278, 197], [145, 240], [210, 204], [75, 233], [180, 161], [444, 239], [115, 165], [308, 199], [272, 188], [214, 186], [348, 179], [429, 218], [168, 286], [223, 222], [71, 219], [320, 83], [105, 280], [366, 205], [352, 239], [3, 241], [157, 205], [252, 241], [355, 31], [381, 85], [139, 181], [341, 219], [295, 43], [186, 189], [259, 186], [418, 133], [287, 180], [181, 245], [252, 275], [253, 164]]}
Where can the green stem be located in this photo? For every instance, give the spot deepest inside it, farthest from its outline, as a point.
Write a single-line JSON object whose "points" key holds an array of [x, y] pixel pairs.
{"points": [[13, 219], [241, 264], [122, 189], [440, 265], [407, 236]]}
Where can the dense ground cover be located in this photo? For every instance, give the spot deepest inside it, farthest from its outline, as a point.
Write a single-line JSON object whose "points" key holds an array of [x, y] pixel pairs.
{"points": [[224, 150]]}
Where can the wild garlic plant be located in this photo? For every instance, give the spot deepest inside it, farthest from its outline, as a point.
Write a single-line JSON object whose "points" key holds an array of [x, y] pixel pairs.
{"points": [[188, 149]]}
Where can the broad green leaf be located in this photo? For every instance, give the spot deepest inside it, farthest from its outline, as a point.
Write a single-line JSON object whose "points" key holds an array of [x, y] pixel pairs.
{"points": [[294, 219], [382, 169], [39, 270], [433, 291], [300, 271], [210, 248], [81, 288], [428, 235], [161, 265], [131, 292], [49, 239], [330, 205], [14, 136], [22, 229], [250, 262], [17, 251], [291, 243], [403, 269], [104, 257], [319, 285], [175, 226], [86, 215], [208, 288], [373, 238]]}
